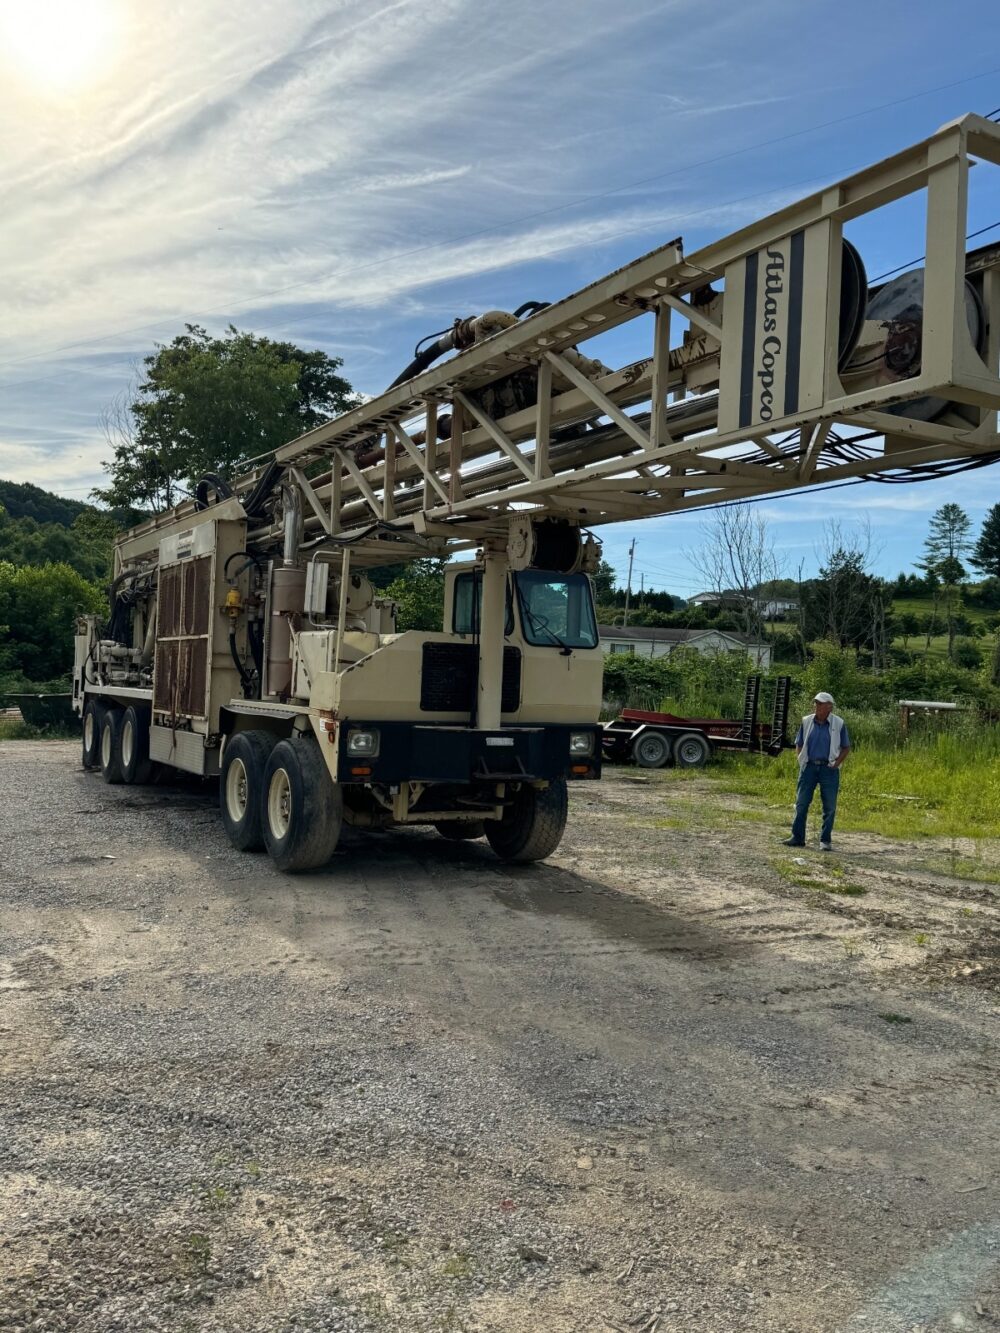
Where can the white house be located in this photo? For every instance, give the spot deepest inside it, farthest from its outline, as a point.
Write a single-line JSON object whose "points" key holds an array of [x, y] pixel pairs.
{"points": [[650, 641]]}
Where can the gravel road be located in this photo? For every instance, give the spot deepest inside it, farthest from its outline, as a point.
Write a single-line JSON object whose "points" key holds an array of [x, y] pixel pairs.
{"points": [[666, 1081]]}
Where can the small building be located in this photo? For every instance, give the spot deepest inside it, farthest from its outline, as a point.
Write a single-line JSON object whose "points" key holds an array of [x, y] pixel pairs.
{"points": [[778, 608], [651, 641]]}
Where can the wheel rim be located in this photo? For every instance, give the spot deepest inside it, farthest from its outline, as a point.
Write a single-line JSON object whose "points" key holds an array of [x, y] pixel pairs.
{"points": [[691, 752], [128, 742], [106, 747], [88, 733], [651, 749], [279, 803], [236, 790]]}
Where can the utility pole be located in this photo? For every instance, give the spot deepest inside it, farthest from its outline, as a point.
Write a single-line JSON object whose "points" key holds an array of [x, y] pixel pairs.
{"points": [[628, 586]]}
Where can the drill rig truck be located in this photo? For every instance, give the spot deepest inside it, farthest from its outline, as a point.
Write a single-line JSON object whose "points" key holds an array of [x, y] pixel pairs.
{"points": [[246, 639]]}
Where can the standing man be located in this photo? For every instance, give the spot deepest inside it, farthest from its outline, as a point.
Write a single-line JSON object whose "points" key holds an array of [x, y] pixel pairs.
{"points": [[821, 746]]}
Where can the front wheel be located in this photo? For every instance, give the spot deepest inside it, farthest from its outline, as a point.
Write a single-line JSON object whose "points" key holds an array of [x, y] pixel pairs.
{"points": [[691, 750], [651, 750], [303, 808], [532, 826]]}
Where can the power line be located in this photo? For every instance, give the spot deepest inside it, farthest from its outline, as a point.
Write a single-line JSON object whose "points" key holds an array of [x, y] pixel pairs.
{"points": [[235, 303]]}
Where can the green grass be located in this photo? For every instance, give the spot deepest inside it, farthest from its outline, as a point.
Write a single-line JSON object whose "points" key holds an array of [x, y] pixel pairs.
{"points": [[823, 876], [936, 784]]}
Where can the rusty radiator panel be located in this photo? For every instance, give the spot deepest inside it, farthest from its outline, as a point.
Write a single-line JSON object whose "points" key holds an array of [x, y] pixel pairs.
{"points": [[180, 679], [168, 623]]}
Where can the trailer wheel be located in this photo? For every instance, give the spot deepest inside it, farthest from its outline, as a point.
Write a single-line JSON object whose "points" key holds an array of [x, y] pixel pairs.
{"points": [[651, 750], [137, 767], [461, 830], [93, 716], [691, 750], [111, 745], [302, 810], [241, 788], [532, 826]]}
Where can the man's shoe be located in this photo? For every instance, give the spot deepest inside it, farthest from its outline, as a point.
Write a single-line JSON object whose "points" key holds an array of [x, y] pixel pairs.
{"points": [[826, 846], [791, 842]]}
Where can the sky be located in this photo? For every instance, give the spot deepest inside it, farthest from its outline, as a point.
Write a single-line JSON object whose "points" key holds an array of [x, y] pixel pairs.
{"points": [[351, 176]]}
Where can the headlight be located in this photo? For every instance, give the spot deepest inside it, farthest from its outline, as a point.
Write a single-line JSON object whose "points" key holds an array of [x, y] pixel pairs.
{"points": [[581, 742], [362, 743]]}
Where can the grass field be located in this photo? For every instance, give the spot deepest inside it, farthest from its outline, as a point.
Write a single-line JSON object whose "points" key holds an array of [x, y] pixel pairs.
{"points": [[937, 783]]}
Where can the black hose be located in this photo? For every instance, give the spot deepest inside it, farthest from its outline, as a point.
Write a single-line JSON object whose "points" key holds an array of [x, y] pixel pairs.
{"points": [[265, 486], [425, 358], [530, 308], [211, 482], [245, 676]]}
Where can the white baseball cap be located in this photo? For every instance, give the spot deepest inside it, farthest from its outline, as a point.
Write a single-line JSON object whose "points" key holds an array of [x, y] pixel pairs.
{"points": [[823, 698]]}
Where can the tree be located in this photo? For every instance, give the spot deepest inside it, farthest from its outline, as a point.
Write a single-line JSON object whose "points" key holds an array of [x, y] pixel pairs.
{"points": [[205, 404], [986, 552], [947, 540], [947, 537], [738, 559], [847, 604], [37, 608], [604, 582], [908, 623], [418, 592]]}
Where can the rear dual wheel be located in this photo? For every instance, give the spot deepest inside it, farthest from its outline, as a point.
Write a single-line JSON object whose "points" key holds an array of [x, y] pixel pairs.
{"points": [[123, 752], [93, 716]]}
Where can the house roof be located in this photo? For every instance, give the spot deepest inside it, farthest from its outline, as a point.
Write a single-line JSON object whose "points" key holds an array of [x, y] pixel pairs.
{"points": [[656, 634]]}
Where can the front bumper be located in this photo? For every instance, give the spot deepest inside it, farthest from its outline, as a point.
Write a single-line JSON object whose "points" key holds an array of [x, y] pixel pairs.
{"points": [[418, 752]]}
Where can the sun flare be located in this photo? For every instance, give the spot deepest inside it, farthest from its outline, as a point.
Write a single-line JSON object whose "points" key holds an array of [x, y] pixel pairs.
{"points": [[58, 45]]}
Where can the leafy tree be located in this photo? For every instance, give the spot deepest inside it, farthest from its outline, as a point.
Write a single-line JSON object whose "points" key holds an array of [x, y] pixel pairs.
{"points": [[846, 604], [37, 609], [908, 623], [419, 595], [604, 582], [967, 654], [209, 404], [986, 552]]}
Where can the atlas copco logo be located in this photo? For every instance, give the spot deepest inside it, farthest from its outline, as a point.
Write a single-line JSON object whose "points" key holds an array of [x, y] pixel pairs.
{"points": [[770, 348]]}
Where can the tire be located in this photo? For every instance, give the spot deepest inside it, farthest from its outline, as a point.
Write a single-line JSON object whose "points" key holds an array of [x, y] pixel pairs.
{"points": [[691, 750], [93, 716], [651, 750], [136, 765], [111, 746], [461, 830], [241, 788], [532, 826], [302, 808]]}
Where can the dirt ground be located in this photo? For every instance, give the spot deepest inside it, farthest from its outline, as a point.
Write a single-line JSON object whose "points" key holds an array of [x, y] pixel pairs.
{"points": [[677, 1078]]}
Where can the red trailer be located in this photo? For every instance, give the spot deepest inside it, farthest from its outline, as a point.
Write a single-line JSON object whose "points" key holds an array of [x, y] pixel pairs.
{"points": [[652, 740]]}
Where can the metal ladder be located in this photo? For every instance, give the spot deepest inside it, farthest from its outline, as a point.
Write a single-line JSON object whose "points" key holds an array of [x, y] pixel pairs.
{"points": [[779, 713], [751, 702]]}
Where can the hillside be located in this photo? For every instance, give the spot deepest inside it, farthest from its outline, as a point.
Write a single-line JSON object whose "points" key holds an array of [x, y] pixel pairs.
{"points": [[23, 500]]}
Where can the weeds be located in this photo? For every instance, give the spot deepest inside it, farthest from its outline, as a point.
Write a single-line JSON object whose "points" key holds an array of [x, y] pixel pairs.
{"points": [[851, 947], [895, 1018], [458, 1265], [921, 939]]}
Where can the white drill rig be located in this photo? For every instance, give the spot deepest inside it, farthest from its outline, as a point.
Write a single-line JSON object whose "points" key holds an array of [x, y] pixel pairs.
{"points": [[245, 639]]}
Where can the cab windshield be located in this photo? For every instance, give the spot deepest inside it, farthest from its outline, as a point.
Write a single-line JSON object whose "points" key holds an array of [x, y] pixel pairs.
{"points": [[556, 609]]}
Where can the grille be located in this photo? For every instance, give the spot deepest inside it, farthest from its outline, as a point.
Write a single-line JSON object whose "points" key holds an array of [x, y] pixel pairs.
{"points": [[449, 674]]}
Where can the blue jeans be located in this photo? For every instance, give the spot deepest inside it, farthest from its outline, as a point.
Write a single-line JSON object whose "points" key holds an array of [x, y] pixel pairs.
{"points": [[828, 781]]}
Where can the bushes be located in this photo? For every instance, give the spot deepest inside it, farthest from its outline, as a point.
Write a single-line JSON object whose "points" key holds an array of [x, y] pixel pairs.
{"points": [[37, 609]]}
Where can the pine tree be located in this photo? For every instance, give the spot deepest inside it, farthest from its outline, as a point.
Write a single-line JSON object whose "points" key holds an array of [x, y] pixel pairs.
{"points": [[947, 540], [986, 552]]}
